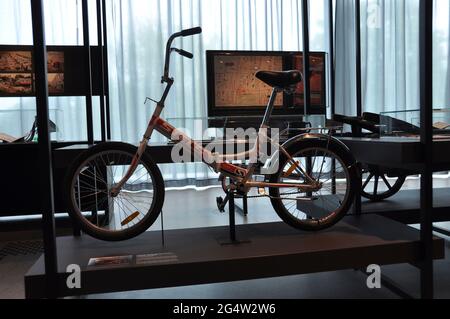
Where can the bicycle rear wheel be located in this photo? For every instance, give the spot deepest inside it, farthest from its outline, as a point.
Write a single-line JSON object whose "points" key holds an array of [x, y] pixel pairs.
{"points": [[113, 218], [328, 163]]}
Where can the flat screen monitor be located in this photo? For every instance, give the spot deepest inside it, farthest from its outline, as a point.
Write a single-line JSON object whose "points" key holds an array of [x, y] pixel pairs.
{"points": [[233, 89]]}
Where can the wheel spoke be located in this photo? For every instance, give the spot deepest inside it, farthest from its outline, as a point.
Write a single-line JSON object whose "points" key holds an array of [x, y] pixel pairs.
{"points": [[93, 191], [368, 180], [386, 182], [320, 168], [375, 185]]}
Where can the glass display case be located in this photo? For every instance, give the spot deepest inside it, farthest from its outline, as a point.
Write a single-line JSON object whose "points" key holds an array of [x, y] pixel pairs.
{"points": [[407, 123], [11, 130], [201, 128]]}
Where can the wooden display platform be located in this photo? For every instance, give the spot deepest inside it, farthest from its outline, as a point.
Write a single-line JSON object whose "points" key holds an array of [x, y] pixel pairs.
{"points": [[195, 256], [398, 152], [404, 207]]}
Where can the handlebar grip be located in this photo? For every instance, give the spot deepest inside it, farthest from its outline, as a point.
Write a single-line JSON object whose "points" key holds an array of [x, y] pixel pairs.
{"points": [[186, 54], [189, 32]]}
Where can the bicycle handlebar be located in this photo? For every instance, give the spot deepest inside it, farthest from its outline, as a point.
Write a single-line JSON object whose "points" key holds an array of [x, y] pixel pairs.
{"points": [[184, 53], [169, 49], [189, 32]]}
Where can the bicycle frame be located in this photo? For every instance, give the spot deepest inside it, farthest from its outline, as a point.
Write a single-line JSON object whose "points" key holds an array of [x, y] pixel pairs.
{"points": [[218, 162], [239, 175]]}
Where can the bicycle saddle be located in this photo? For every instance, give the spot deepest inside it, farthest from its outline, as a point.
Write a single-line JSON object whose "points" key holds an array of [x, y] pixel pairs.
{"points": [[283, 79]]}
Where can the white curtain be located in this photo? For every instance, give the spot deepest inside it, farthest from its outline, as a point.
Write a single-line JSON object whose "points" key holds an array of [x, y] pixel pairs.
{"points": [[138, 31], [390, 56], [441, 59], [345, 95], [62, 27]]}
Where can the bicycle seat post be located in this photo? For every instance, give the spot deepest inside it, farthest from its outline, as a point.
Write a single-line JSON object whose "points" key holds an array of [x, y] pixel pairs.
{"points": [[270, 106]]}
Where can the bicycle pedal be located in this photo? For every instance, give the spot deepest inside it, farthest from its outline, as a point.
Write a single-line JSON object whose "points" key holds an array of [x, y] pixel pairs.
{"points": [[220, 204]]}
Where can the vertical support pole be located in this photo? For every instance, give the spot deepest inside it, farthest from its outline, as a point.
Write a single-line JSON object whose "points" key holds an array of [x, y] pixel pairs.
{"points": [[88, 79], [45, 152], [232, 213], [331, 58], [245, 204], [106, 71], [334, 179], [163, 235], [359, 109], [102, 69], [309, 171], [357, 209], [306, 64], [426, 139]]}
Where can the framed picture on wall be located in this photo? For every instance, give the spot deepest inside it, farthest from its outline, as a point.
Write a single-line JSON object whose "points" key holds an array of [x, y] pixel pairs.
{"points": [[66, 67]]}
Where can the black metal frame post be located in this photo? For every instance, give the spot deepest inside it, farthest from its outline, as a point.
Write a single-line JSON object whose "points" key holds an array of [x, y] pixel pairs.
{"points": [[87, 54], [426, 139], [106, 70], [331, 58], [306, 64], [45, 153], [332, 68], [102, 69], [357, 208], [359, 108], [232, 238], [232, 215]]}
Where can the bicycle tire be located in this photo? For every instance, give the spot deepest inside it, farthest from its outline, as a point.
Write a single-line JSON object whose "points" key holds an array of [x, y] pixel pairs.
{"points": [[347, 161], [76, 213]]}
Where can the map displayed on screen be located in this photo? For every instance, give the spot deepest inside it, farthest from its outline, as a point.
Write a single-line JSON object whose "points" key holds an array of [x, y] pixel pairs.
{"points": [[236, 84]]}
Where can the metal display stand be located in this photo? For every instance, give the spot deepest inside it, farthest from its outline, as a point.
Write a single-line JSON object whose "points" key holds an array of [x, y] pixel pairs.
{"points": [[425, 166], [376, 239], [306, 55], [195, 257], [45, 145], [20, 157], [233, 237], [426, 139], [45, 156]]}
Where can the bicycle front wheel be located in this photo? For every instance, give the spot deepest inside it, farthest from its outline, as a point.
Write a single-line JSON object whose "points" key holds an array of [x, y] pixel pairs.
{"points": [[329, 165], [91, 203]]}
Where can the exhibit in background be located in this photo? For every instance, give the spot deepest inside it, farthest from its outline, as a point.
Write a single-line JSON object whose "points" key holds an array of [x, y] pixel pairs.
{"points": [[17, 73], [234, 90], [65, 71]]}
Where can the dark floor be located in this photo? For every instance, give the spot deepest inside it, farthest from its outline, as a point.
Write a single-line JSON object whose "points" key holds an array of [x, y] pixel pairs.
{"points": [[191, 209]]}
